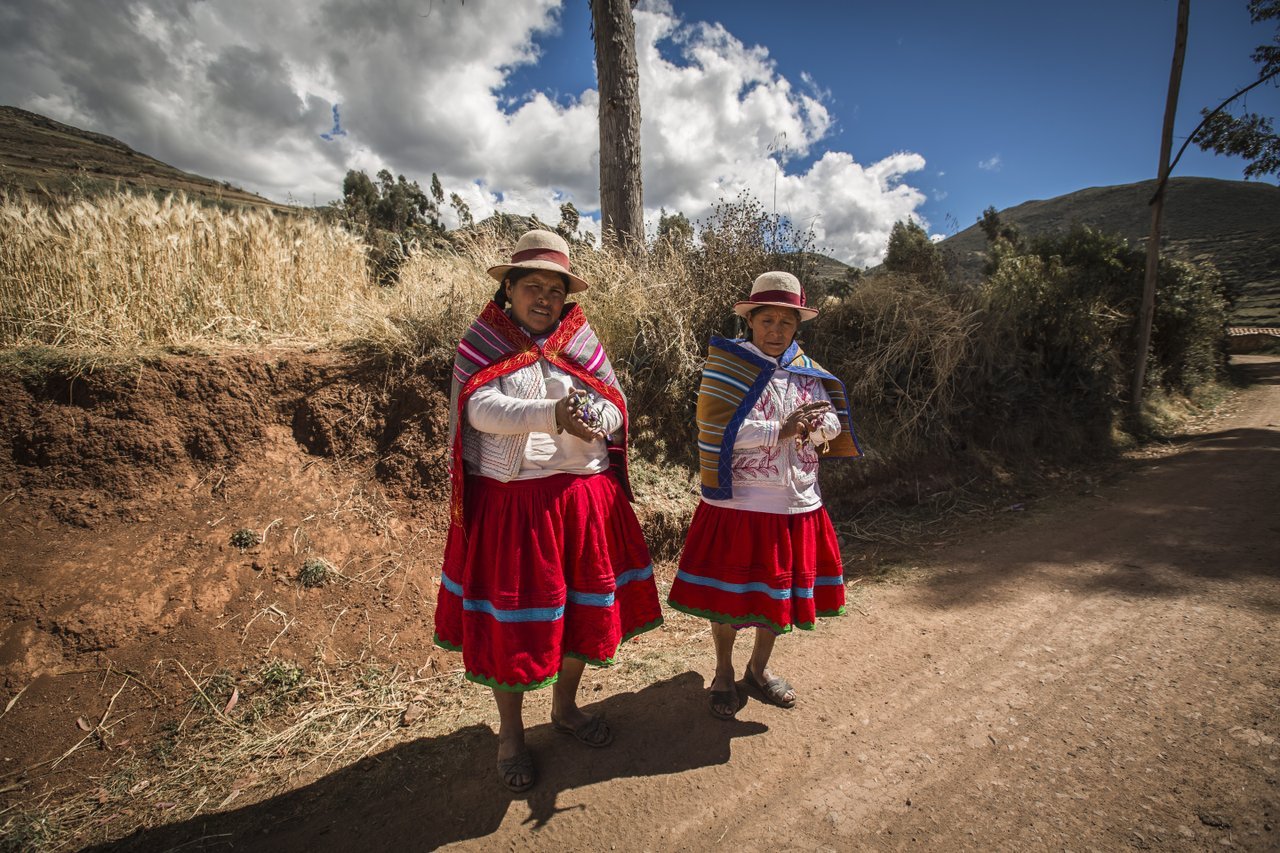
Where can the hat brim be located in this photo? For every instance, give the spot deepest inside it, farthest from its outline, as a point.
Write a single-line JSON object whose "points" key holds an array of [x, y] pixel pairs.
{"points": [[576, 285], [746, 306]]}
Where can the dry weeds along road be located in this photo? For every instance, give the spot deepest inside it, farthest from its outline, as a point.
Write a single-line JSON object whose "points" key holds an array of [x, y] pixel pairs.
{"points": [[1101, 675]]}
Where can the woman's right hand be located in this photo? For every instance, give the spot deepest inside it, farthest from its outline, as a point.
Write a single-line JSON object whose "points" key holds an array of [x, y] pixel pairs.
{"points": [[803, 420]]}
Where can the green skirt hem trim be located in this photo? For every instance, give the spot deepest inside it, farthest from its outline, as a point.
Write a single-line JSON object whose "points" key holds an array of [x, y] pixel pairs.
{"points": [[445, 644], [726, 619], [612, 659], [635, 632], [593, 661], [511, 688]]}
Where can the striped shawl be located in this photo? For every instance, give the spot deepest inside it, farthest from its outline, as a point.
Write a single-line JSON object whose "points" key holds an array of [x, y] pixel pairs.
{"points": [[732, 381], [495, 345]]}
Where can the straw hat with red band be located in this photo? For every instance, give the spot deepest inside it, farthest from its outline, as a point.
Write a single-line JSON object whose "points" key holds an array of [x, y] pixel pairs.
{"points": [[541, 250], [777, 290]]}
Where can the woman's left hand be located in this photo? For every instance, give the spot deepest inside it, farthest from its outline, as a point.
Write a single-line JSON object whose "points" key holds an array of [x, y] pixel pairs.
{"points": [[568, 419], [804, 419]]}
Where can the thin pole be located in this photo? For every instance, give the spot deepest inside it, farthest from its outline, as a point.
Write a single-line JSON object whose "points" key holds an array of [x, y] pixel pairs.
{"points": [[1147, 312]]}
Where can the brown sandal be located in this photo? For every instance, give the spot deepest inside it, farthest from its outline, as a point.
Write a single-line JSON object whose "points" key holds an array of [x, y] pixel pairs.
{"points": [[515, 768], [595, 732], [774, 691]]}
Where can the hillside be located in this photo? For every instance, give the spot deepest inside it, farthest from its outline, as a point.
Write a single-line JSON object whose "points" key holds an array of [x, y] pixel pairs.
{"points": [[38, 153], [1234, 224]]}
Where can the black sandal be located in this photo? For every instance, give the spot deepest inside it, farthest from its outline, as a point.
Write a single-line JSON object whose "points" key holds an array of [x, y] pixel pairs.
{"points": [[774, 691], [726, 699], [518, 766]]}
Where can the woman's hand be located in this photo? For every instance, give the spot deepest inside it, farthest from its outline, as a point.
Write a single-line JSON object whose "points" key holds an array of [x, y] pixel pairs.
{"points": [[803, 420], [569, 417]]}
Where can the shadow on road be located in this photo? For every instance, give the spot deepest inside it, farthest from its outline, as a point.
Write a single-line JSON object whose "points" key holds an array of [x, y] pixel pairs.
{"points": [[1173, 526], [1256, 370], [438, 790]]}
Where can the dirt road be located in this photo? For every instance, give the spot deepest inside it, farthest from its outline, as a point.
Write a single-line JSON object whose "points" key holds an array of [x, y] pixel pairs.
{"points": [[1102, 674]]}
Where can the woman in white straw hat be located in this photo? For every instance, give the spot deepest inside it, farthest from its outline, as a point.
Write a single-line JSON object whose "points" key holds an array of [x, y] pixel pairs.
{"points": [[761, 552], [545, 566]]}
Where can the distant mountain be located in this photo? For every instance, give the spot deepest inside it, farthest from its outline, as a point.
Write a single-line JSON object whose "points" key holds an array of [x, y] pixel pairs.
{"points": [[40, 154], [1234, 224]]}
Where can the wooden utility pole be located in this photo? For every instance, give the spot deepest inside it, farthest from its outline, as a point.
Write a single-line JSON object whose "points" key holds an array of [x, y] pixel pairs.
{"points": [[1147, 312], [618, 73]]}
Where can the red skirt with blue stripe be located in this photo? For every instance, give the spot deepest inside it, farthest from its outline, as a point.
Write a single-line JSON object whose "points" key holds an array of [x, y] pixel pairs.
{"points": [[760, 569], [540, 569]]}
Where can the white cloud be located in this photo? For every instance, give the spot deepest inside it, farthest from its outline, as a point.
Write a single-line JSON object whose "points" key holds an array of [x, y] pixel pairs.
{"points": [[991, 164], [242, 91]]}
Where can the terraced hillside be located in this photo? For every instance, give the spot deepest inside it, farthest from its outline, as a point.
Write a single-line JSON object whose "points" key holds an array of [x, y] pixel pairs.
{"points": [[1234, 224]]}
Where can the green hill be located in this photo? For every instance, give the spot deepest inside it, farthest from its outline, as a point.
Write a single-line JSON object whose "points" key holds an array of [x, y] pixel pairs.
{"points": [[1233, 224]]}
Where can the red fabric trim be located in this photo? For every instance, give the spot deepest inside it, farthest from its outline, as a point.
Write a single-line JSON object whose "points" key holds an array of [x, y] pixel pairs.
{"points": [[779, 296], [559, 258]]}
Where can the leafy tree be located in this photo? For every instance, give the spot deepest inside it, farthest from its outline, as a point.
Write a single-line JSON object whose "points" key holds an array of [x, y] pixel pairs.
{"points": [[911, 251], [569, 220], [1250, 135], [842, 288], [390, 214], [1002, 238], [464, 212], [674, 228], [392, 204], [359, 195], [437, 191]]}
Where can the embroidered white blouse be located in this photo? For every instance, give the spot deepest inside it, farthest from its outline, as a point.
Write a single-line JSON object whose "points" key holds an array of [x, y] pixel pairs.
{"points": [[775, 476], [522, 405]]}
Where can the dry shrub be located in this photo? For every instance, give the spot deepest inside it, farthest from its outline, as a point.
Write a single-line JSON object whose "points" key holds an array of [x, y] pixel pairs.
{"points": [[426, 313], [903, 352], [123, 271]]}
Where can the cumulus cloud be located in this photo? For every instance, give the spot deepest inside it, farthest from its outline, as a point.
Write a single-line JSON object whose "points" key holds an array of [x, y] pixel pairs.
{"points": [[991, 164], [283, 98]]}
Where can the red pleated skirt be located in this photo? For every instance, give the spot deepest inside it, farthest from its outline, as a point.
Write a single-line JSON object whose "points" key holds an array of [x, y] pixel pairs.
{"points": [[541, 569], [760, 569]]}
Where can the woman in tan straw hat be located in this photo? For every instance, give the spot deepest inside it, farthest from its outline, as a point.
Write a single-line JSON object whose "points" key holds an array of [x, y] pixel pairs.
{"points": [[545, 567], [761, 552]]}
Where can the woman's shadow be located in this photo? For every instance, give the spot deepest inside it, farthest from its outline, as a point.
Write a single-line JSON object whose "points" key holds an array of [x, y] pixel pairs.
{"points": [[434, 791]]}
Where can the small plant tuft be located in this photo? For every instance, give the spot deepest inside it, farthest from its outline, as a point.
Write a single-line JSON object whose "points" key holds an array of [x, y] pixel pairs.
{"points": [[280, 675], [315, 572], [244, 538]]}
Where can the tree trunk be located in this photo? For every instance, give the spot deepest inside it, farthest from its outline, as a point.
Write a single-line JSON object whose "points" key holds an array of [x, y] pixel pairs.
{"points": [[1157, 212], [621, 198]]}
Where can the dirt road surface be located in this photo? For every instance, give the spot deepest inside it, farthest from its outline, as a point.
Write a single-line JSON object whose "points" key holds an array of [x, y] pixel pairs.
{"points": [[1101, 673]]}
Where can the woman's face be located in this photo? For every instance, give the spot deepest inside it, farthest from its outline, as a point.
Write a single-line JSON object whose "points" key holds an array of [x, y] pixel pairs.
{"points": [[772, 329], [537, 300]]}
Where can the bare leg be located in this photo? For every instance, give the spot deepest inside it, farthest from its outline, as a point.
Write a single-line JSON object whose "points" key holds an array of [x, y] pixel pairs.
{"points": [[759, 662], [564, 693], [565, 713], [724, 635], [511, 727]]}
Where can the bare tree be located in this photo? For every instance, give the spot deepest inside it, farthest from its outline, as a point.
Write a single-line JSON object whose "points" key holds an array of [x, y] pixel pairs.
{"points": [[1157, 211], [621, 196]]}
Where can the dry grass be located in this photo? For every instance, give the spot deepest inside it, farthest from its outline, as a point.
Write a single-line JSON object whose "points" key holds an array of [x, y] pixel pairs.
{"points": [[122, 272]]}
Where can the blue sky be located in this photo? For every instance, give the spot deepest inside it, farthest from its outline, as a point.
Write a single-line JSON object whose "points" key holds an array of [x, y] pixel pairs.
{"points": [[846, 117], [1006, 101]]}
